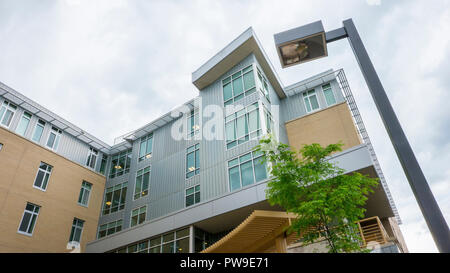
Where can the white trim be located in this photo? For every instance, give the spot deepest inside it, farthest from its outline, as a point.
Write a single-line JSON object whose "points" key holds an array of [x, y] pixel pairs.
{"points": [[45, 172], [35, 222]]}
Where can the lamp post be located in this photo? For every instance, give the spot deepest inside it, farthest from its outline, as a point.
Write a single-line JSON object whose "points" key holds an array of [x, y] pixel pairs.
{"points": [[309, 42]]}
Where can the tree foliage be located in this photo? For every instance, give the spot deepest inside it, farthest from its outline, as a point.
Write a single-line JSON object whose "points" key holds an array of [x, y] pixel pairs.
{"points": [[327, 201]]}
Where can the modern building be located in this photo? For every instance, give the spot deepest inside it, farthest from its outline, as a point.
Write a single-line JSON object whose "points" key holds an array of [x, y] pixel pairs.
{"points": [[189, 180]]}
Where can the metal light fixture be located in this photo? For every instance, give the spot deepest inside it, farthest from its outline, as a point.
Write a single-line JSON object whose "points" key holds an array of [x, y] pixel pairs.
{"points": [[302, 44]]}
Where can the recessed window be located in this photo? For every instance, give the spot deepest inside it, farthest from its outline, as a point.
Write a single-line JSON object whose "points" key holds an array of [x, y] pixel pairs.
{"points": [[42, 176], [242, 126], [120, 163], [264, 86], [145, 148], [115, 198], [76, 231], [311, 102], [85, 192], [238, 85], [142, 182], [193, 125], [92, 158], [23, 124], [328, 93], [192, 195], [193, 160], [138, 216], [54, 138], [38, 131], [7, 111], [29, 219], [109, 228], [246, 170]]}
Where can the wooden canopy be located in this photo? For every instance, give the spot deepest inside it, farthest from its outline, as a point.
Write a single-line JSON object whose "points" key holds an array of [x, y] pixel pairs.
{"points": [[262, 231]]}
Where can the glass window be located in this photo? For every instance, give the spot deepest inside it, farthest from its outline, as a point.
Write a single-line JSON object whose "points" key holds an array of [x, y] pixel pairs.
{"points": [[92, 158], [1, 146], [246, 171], [311, 101], [103, 164], [193, 196], [193, 123], [115, 198], [120, 164], [77, 229], [7, 111], [38, 131], [138, 216], [240, 84], [142, 182], [23, 124], [193, 160], [263, 85], [109, 228], [85, 192], [242, 126], [42, 176], [145, 148], [328, 93], [53, 138], [29, 218]]}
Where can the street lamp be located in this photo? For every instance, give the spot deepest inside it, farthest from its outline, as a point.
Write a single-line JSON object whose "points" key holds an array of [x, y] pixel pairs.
{"points": [[309, 42]]}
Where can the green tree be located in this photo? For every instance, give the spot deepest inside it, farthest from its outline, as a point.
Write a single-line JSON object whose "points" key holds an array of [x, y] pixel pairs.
{"points": [[327, 202]]}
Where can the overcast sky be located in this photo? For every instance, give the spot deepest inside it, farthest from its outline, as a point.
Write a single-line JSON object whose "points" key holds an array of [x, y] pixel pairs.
{"points": [[112, 66]]}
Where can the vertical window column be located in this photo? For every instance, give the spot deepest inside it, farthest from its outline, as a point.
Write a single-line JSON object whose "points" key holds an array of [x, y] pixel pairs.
{"points": [[85, 192], [7, 111], [193, 160], [29, 219], [23, 124], [76, 231], [42, 176]]}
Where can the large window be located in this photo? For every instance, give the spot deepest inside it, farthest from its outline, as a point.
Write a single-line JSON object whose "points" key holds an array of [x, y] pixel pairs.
{"points": [[172, 242], [145, 149], [42, 176], [92, 158], [109, 228], [23, 124], [242, 125], [115, 198], [120, 163], [53, 138], [193, 196], [246, 170], [311, 102], [193, 124], [142, 182], [238, 85], [193, 160], [328, 93], [38, 131], [76, 231], [138, 216], [29, 219], [7, 111], [85, 192]]}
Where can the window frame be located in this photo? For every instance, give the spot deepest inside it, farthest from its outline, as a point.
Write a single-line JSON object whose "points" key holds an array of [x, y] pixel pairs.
{"points": [[309, 100], [127, 154], [138, 209], [75, 227], [35, 220], [8, 106], [144, 171], [92, 153], [45, 172], [58, 134], [122, 186], [24, 117], [233, 118], [194, 130], [84, 190], [196, 170], [194, 194], [253, 160], [332, 92], [145, 140], [116, 227], [34, 131], [245, 92]]}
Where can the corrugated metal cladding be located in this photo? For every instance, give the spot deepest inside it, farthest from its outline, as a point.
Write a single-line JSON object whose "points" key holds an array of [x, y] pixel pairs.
{"points": [[69, 146]]}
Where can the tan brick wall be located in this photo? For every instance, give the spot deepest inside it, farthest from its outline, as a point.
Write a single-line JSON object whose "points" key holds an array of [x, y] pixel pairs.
{"points": [[325, 127], [19, 163]]}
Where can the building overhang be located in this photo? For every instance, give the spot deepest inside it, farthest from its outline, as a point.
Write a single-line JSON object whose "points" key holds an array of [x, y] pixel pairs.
{"points": [[244, 45]]}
